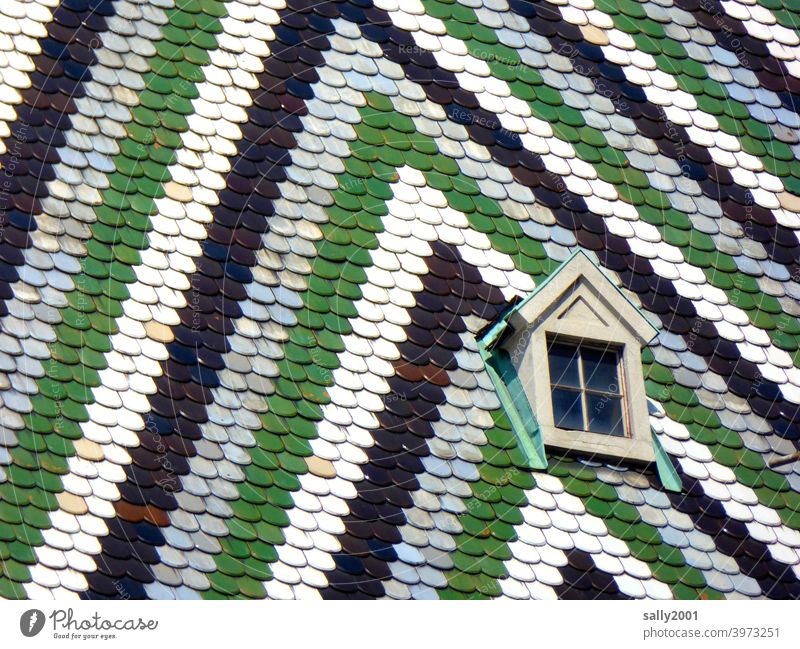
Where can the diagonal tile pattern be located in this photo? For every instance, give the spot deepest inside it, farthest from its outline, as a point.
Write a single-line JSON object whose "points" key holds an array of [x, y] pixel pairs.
{"points": [[246, 247]]}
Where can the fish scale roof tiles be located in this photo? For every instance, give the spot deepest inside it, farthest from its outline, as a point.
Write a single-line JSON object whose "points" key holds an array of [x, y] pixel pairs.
{"points": [[247, 246]]}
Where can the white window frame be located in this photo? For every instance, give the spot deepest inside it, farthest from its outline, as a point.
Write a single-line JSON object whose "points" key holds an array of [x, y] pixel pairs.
{"points": [[583, 389]]}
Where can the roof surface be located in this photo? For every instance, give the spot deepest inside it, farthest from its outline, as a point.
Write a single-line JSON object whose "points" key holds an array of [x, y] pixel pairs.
{"points": [[246, 248]]}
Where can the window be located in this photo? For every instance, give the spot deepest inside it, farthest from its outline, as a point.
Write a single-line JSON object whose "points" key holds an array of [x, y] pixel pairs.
{"points": [[567, 367], [586, 388]]}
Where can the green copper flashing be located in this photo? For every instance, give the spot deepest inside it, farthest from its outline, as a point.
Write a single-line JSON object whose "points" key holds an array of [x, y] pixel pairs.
{"points": [[669, 477], [515, 404]]}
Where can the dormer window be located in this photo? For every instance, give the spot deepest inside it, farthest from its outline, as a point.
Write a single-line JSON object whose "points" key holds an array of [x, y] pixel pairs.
{"points": [[566, 363]]}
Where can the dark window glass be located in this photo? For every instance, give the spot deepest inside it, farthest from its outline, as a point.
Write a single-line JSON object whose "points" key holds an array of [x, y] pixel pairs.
{"points": [[586, 388], [567, 408], [564, 369], [600, 370], [604, 414]]}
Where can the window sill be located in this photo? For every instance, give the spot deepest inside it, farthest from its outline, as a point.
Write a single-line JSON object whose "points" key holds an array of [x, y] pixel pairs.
{"points": [[597, 444]]}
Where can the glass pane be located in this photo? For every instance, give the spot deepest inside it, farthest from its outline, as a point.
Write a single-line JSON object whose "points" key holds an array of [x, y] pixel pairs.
{"points": [[600, 369], [567, 409], [564, 365], [605, 414]]}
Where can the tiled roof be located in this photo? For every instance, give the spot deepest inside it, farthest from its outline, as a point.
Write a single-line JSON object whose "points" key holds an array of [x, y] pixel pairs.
{"points": [[247, 246]]}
